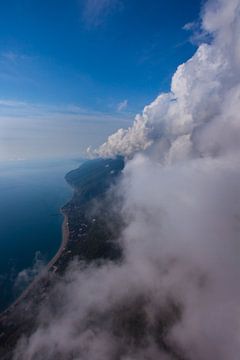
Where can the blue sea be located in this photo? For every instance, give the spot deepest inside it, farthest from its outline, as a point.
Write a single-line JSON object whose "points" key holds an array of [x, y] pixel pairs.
{"points": [[31, 195]]}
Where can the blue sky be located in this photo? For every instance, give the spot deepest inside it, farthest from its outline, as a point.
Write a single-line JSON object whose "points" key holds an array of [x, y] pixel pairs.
{"points": [[72, 72]]}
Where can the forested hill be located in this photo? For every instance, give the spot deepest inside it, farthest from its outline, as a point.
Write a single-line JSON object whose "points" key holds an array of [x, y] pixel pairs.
{"points": [[93, 177]]}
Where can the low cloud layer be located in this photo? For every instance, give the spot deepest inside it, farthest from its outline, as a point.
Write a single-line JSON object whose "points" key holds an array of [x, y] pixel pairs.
{"points": [[176, 293], [51, 130], [24, 277]]}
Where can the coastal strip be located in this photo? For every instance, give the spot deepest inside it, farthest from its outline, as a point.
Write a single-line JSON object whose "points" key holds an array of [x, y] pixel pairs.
{"points": [[47, 268], [65, 239]]}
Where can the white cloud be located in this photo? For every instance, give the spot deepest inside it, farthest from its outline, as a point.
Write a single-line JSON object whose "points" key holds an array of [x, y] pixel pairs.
{"points": [[189, 26], [122, 105], [202, 90], [25, 276]]}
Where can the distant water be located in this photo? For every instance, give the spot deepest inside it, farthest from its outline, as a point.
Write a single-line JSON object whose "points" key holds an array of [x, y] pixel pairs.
{"points": [[31, 194]]}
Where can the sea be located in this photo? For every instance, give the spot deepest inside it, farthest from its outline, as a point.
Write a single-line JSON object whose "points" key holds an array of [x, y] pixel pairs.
{"points": [[31, 195]]}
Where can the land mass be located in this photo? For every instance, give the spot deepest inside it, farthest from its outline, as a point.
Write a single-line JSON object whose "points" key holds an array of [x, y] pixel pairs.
{"points": [[90, 231], [91, 228]]}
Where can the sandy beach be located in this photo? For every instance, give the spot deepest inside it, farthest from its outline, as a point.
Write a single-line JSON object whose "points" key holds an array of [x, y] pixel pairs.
{"points": [[65, 238]]}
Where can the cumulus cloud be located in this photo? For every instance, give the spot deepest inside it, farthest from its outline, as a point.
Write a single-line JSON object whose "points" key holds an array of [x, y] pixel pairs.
{"points": [[175, 295], [203, 91]]}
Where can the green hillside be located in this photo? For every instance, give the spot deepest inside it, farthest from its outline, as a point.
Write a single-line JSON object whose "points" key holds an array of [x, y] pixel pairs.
{"points": [[94, 176]]}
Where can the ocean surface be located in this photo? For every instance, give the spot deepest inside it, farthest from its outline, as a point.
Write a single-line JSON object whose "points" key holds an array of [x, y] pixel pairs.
{"points": [[31, 195]]}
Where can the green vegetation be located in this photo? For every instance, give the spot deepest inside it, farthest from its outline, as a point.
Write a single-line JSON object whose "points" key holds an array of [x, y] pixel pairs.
{"points": [[94, 177]]}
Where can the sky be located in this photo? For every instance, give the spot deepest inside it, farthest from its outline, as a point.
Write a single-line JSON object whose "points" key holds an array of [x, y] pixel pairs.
{"points": [[73, 72]]}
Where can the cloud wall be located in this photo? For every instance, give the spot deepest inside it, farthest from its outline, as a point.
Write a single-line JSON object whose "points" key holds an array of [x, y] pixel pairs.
{"points": [[199, 116]]}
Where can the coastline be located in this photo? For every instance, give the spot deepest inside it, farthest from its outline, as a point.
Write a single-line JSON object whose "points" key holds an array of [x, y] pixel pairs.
{"points": [[65, 239], [47, 268]]}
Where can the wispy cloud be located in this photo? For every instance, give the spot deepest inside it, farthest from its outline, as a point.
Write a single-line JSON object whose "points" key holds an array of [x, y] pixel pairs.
{"points": [[13, 56], [198, 34], [12, 107], [16, 66], [96, 11], [189, 26], [11, 103], [122, 105]]}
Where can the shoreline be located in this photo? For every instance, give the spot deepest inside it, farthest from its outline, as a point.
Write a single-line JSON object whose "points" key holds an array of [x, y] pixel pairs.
{"points": [[49, 265], [64, 242]]}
